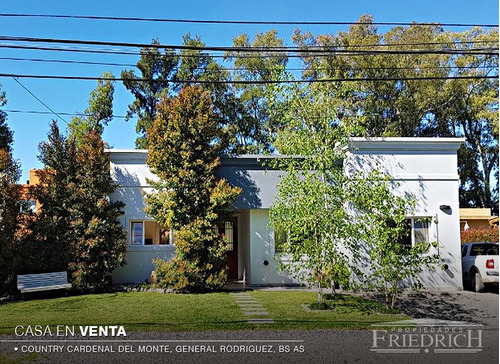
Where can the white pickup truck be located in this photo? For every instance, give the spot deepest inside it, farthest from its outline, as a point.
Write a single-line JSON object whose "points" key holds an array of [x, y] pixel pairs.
{"points": [[479, 265]]}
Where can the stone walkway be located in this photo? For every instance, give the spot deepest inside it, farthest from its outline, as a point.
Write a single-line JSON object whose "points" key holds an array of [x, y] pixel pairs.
{"points": [[252, 308]]}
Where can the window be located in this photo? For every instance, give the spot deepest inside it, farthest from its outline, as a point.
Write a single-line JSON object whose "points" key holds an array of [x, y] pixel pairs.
{"points": [[464, 250], [417, 232], [32, 205], [484, 249], [164, 236], [280, 238], [283, 236], [148, 233], [137, 229], [229, 235], [228, 229]]}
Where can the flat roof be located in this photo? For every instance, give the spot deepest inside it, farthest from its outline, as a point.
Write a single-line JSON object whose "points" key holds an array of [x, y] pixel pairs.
{"points": [[377, 143]]}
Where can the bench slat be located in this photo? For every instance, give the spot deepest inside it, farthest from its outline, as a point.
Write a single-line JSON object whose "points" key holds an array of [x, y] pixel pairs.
{"points": [[42, 281]]}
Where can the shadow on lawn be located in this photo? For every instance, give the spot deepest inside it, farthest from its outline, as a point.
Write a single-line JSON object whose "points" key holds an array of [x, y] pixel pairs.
{"points": [[440, 306]]}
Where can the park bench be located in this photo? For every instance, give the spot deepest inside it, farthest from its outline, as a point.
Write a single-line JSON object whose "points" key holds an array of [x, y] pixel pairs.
{"points": [[42, 282]]}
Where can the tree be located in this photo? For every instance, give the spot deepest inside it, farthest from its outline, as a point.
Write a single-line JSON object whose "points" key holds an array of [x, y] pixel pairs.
{"points": [[10, 203], [77, 228], [310, 205], [99, 112], [196, 65], [469, 108], [5, 133], [380, 222], [49, 235], [401, 106], [184, 153], [257, 128], [99, 242], [334, 221], [159, 70]]}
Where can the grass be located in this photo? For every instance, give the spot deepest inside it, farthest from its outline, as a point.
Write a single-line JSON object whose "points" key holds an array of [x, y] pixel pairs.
{"points": [[144, 311], [347, 312]]}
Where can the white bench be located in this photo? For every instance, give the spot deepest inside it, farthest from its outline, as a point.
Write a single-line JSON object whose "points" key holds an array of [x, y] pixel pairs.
{"points": [[42, 282]]}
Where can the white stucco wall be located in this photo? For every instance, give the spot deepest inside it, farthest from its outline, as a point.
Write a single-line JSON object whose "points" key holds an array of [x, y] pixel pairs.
{"points": [[140, 262], [262, 250], [427, 168], [423, 166]]}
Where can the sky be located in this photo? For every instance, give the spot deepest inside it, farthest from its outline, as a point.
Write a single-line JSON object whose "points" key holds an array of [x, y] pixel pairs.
{"points": [[70, 96]]}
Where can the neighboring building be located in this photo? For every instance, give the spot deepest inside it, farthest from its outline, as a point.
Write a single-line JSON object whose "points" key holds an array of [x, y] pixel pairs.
{"points": [[33, 205], [476, 219], [426, 167]]}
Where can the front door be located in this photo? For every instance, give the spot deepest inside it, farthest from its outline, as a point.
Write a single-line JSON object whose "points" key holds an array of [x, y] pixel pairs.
{"points": [[231, 236]]}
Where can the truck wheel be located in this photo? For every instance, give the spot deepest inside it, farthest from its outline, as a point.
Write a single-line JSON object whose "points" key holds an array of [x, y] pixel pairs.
{"points": [[477, 283]]}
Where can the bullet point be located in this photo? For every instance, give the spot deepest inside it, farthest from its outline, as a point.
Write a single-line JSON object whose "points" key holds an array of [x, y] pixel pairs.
{"points": [[16, 349]]}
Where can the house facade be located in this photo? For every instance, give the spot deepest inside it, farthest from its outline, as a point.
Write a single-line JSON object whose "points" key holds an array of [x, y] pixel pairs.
{"points": [[426, 167]]}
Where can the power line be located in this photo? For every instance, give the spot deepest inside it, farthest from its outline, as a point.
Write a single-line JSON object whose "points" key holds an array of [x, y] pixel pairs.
{"points": [[36, 97], [307, 50], [237, 69], [69, 50], [322, 53], [245, 82], [224, 48], [42, 60], [241, 22], [38, 112]]}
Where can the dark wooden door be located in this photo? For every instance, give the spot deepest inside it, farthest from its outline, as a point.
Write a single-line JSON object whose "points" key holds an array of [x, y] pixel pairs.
{"points": [[231, 236]]}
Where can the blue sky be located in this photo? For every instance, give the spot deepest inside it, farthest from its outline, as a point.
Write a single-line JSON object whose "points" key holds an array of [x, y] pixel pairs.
{"points": [[67, 96]]}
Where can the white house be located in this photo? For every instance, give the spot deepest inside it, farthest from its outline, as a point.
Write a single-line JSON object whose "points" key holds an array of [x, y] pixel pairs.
{"points": [[426, 167]]}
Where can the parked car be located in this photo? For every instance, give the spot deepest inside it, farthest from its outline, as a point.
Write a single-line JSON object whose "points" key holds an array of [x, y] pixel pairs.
{"points": [[479, 265]]}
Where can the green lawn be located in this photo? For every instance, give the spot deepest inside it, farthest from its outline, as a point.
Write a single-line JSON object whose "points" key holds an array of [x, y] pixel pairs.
{"points": [[144, 311]]}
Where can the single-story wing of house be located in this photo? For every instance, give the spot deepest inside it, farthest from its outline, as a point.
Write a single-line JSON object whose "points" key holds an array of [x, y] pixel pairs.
{"points": [[425, 167]]}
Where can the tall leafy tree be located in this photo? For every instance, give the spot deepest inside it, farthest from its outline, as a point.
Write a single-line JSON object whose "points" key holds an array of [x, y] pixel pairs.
{"points": [[438, 107], [99, 241], [77, 227], [98, 113], [469, 108], [5, 133], [309, 207], [184, 153], [257, 126], [332, 216], [50, 234], [10, 204], [196, 65], [158, 69]]}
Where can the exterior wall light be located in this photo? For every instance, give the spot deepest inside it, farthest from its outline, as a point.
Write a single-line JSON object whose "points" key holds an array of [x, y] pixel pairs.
{"points": [[445, 208]]}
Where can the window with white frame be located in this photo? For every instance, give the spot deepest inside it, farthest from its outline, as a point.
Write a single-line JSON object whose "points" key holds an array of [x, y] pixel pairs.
{"points": [[418, 229], [148, 232], [137, 233]]}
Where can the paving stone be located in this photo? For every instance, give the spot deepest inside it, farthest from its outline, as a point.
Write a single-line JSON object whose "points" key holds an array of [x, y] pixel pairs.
{"points": [[256, 313], [250, 304], [251, 307]]}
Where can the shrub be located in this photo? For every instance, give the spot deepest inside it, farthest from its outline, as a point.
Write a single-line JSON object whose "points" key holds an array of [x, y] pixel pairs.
{"points": [[480, 235]]}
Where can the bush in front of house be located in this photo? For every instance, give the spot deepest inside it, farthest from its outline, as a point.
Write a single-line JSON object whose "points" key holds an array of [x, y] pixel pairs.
{"points": [[479, 235]]}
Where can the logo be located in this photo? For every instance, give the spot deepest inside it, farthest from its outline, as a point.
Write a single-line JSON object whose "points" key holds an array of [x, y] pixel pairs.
{"points": [[427, 336]]}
